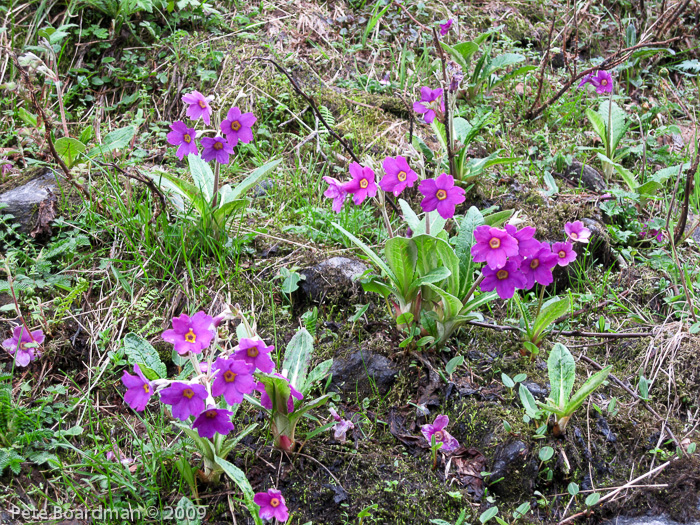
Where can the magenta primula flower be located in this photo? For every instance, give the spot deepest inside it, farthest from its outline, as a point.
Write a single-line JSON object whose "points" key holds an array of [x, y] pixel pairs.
{"points": [[217, 148], [138, 389], [657, 234], [601, 80], [437, 429], [445, 28], [527, 244], [237, 126], [362, 184], [183, 137], [336, 192], [565, 253], [24, 345], [539, 267], [398, 175], [213, 421], [504, 280], [256, 353], [185, 399], [341, 426], [198, 106], [272, 505], [234, 379], [266, 402], [493, 246], [441, 194], [577, 232], [190, 334], [5, 166], [428, 103]]}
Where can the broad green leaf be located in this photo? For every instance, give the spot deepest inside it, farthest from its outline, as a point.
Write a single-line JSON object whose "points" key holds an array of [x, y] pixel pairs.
{"points": [[114, 140], [598, 124], [306, 407], [546, 453], [467, 50], [501, 61], [478, 301], [451, 305], [427, 254], [498, 219], [488, 514], [450, 260], [69, 149], [251, 180], [466, 131], [224, 211], [626, 174], [562, 373], [409, 216], [507, 381], [239, 478], [587, 389], [618, 122], [433, 276], [140, 352], [528, 401], [377, 286], [297, 358], [548, 314], [454, 363], [186, 512], [202, 175], [465, 239], [401, 254], [319, 373]]}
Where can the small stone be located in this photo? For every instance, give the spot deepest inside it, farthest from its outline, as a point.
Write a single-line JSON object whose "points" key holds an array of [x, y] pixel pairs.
{"points": [[263, 187], [511, 463], [588, 177], [23, 201], [357, 371], [333, 278], [537, 391]]}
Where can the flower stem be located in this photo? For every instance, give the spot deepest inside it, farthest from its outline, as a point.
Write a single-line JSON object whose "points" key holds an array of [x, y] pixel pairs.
{"points": [[539, 304], [427, 223], [473, 288]]}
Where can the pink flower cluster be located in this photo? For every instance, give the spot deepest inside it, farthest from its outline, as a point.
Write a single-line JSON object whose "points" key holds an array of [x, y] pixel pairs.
{"points": [[236, 127], [602, 81], [24, 345], [228, 376], [516, 260], [440, 193]]}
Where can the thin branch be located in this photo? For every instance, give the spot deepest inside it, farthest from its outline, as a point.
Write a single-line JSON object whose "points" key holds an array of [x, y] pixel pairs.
{"points": [[313, 105], [445, 95]]}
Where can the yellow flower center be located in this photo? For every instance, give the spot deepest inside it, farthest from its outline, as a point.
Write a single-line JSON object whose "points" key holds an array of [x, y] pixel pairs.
{"points": [[502, 274], [188, 393], [604, 82], [253, 351], [438, 436], [229, 376], [274, 502], [203, 104], [534, 263], [441, 195], [573, 235], [364, 183], [190, 336], [218, 145], [495, 243], [235, 125], [23, 346], [211, 414], [401, 175], [186, 137], [146, 388], [562, 254]]}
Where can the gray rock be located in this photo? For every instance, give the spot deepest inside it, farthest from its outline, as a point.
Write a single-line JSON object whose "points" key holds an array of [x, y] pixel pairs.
{"points": [[600, 244], [361, 371], [584, 174], [263, 187], [23, 201], [512, 464], [333, 278], [538, 391]]}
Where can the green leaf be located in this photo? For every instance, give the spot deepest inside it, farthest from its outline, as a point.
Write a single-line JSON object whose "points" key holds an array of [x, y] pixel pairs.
{"points": [[573, 489], [317, 374], [202, 175], [401, 254], [186, 512], [528, 401], [502, 61], [454, 363], [433, 276], [488, 514], [69, 149], [507, 381], [592, 499], [598, 124], [409, 215], [618, 121], [587, 389], [626, 174], [140, 352], [297, 358], [562, 374], [277, 390], [115, 140], [546, 453], [251, 180], [498, 218], [239, 478], [450, 304], [549, 313]]}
